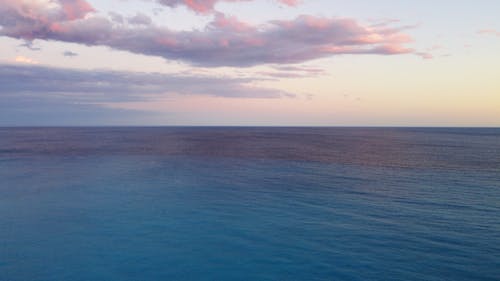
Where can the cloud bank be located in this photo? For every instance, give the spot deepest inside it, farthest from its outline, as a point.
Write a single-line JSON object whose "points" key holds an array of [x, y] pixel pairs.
{"points": [[226, 41], [96, 86], [35, 93]]}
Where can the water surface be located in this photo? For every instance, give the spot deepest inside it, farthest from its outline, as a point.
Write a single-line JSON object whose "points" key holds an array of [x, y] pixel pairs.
{"points": [[249, 204]]}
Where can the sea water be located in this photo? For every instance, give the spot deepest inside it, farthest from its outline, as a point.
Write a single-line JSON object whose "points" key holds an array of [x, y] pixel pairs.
{"points": [[249, 204]]}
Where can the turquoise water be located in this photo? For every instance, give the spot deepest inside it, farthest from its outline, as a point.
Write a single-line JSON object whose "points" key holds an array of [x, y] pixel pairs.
{"points": [[249, 204]]}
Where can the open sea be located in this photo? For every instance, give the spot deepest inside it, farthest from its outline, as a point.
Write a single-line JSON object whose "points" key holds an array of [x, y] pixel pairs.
{"points": [[224, 203]]}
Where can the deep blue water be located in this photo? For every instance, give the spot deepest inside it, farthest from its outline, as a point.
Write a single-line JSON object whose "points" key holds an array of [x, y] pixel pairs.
{"points": [[249, 204]]}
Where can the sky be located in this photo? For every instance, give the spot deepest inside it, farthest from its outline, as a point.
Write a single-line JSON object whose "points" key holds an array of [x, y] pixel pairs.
{"points": [[249, 63]]}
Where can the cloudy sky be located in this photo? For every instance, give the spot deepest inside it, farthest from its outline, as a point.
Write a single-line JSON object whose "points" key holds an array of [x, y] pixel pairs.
{"points": [[250, 62]]}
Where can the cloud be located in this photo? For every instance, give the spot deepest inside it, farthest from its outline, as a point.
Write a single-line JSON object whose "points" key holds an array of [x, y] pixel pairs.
{"points": [[226, 41], [290, 71], [489, 32], [140, 19], [25, 60], [425, 55], [69, 54], [303, 69], [43, 11], [115, 17], [207, 6], [30, 45], [98, 86], [44, 95]]}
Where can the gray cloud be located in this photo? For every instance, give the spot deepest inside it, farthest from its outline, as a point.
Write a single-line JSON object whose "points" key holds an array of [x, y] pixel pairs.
{"points": [[98, 86], [38, 95], [294, 71], [30, 45], [115, 17], [140, 19], [69, 54]]}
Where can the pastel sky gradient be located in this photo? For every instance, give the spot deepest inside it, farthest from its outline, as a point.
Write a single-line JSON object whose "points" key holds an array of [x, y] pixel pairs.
{"points": [[250, 62]]}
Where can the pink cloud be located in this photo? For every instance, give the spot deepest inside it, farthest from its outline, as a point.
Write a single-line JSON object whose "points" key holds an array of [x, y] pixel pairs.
{"points": [[206, 6], [76, 9], [45, 11], [425, 55], [229, 23], [289, 2], [226, 41], [489, 32], [28, 19]]}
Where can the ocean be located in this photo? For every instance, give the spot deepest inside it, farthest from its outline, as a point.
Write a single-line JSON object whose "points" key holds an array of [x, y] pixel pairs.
{"points": [[230, 203]]}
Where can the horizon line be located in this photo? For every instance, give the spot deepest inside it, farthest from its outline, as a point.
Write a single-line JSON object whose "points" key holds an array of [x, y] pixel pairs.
{"points": [[250, 126]]}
